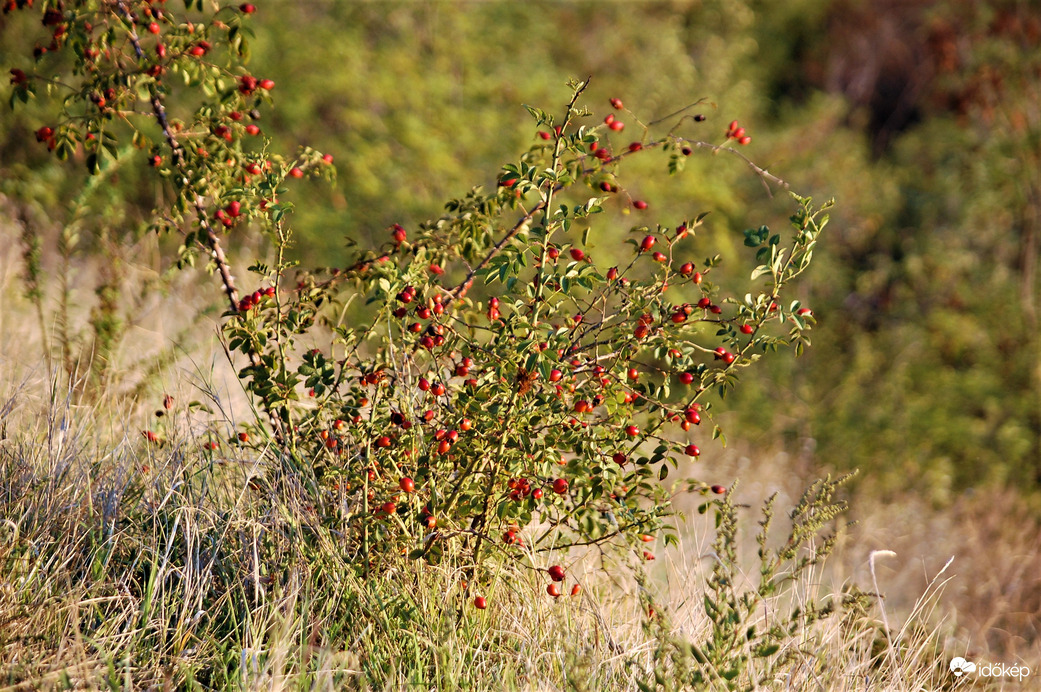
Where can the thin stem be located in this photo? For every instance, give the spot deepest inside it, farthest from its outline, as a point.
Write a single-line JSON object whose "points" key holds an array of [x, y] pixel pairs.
{"points": [[213, 242]]}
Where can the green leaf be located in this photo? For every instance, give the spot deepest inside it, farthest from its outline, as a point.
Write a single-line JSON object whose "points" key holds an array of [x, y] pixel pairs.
{"points": [[759, 271]]}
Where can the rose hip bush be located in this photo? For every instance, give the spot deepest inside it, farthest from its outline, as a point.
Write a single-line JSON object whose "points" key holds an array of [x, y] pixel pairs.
{"points": [[483, 380]]}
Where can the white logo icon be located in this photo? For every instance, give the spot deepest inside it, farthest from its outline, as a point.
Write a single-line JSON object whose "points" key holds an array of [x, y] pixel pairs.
{"points": [[959, 666]]}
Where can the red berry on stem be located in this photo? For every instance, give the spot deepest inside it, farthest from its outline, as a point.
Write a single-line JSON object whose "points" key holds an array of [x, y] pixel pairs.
{"points": [[560, 486], [577, 254], [553, 590], [692, 450], [617, 103], [647, 243], [480, 603], [556, 573], [407, 484], [640, 204]]}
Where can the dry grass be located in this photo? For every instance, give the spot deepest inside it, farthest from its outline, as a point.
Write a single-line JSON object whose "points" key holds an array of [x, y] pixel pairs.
{"points": [[124, 564]]}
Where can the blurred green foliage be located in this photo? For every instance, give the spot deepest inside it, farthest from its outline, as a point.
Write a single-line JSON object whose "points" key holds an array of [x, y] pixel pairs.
{"points": [[922, 119]]}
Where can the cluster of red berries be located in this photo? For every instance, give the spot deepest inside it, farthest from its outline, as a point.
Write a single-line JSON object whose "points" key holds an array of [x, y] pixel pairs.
{"points": [[688, 270], [11, 5], [691, 416], [434, 337], [512, 537], [737, 132], [254, 299], [556, 573], [200, 49], [229, 213], [604, 155], [614, 123], [725, 356], [493, 310], [248, 84], [520, 488], [445, 439]]}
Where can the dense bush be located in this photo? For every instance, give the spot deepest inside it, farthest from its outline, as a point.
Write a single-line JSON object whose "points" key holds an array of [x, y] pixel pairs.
{"points": [[497, 385]]}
